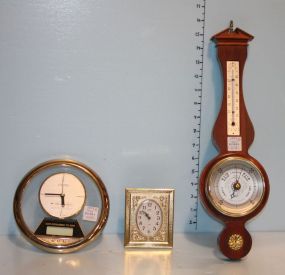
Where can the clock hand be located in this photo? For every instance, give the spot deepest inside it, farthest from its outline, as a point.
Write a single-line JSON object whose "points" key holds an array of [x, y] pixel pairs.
{"points": [[239, 175], [62, 200], [233, 188], [62, 183], [52, 194], [236, 186], [146, 214], [57, 194], [62, 195], [233, 194]]}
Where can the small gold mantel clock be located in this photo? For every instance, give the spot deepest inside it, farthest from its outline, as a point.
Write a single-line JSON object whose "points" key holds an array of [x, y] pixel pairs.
{"points": [[234, 186], [149, 218], [61, 206]]}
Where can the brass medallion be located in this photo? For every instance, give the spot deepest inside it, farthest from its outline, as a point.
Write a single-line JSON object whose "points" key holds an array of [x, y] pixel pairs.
{"points": [[235, 242]]}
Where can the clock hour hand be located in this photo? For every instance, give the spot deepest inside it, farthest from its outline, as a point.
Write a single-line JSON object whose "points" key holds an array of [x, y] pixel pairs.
{"points": [[57, 194], [146, 214], [62, 200]]}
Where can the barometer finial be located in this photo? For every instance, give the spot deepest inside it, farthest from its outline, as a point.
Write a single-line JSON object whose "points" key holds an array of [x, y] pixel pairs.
{"points": [[231, 29]]}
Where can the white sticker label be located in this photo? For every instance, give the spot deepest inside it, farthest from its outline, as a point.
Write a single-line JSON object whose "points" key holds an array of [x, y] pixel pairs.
{"points": [[90, 213], [234, 144]]}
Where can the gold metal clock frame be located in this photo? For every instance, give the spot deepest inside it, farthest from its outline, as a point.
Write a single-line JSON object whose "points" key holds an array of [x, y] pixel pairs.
{"points": [[163, 238], [53, 247]]}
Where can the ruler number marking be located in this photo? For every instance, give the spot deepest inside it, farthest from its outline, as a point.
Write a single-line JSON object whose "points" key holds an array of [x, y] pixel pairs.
{"points": [[198, 80]]}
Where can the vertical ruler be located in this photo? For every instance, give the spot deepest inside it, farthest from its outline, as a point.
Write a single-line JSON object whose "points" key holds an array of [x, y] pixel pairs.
{"points": [[200, 6]]}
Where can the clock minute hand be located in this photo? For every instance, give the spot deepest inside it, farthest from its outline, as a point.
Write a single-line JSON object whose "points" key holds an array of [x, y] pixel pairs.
{"points": [[62, 184], [53, 194]]}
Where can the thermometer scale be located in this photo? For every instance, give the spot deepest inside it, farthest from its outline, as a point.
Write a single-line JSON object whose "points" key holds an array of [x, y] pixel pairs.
{"points": [[233, 98], [234, 186]]}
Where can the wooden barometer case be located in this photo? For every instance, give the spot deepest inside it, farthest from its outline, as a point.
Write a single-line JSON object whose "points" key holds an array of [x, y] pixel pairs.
{"points": [[234, 186]]}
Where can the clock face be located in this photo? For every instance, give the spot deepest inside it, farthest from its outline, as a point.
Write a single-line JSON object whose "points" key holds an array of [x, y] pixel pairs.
{"points": [[62, 195], [149, 218], [235, 186]]}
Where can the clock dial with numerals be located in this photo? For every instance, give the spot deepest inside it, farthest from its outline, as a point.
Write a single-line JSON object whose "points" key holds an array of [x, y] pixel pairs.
{"points": [[149, 218], [62, 195]]}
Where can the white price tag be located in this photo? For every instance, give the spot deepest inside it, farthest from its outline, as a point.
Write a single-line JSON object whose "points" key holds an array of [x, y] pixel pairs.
{"points": [[234, 144], [90, 213]]}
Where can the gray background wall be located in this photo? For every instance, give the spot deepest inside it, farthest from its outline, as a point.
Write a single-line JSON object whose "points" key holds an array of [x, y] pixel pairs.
{"points": [[110, 84]]}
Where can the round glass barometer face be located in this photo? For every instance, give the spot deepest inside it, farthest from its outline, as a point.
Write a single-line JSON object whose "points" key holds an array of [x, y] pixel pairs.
{"points": [[235, 186]]}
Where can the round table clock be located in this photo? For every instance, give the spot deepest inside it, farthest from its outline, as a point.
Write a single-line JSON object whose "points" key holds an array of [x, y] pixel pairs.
{"points": [[61, 206], [234, 186]]}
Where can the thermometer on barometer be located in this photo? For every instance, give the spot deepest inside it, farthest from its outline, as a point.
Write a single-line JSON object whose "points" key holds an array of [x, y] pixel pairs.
{"points": [[233, 114]]}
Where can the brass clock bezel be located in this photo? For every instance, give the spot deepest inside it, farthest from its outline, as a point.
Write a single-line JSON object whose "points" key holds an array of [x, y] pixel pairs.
{"points": [[227, 211], [60, 248], [164, 236]]}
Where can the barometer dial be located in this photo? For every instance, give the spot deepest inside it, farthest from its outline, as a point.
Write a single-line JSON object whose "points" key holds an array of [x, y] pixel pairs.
{"points": [[235, 186]]}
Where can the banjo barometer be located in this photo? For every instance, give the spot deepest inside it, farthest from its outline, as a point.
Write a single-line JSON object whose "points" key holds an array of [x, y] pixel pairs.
{"points": [[234, 186]]}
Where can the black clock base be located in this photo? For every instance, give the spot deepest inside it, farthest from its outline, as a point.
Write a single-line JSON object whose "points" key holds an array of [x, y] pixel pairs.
{"points": [[58, 227]]}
